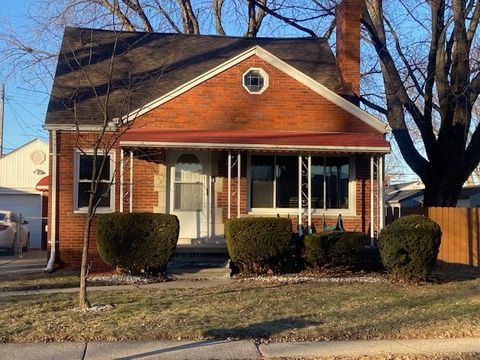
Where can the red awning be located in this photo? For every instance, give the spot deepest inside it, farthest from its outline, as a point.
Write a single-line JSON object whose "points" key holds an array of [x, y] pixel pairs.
{"points": [[255, 140], [43, 184]]}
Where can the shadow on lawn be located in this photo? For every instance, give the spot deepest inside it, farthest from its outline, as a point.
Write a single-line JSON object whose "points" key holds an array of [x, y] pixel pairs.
{"points": [[450, 272], [262, 330]]}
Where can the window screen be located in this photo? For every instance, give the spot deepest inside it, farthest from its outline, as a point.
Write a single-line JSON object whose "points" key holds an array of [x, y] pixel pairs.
{"points": [[189, 183]]}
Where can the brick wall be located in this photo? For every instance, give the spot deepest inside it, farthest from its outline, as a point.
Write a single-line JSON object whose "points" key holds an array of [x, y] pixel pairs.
{"points": [[222, 103], [71, 225]]}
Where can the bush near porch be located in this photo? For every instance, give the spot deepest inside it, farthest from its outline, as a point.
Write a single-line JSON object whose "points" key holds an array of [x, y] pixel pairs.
{"points": [[334, 248], [259, 245], [138, 243], [409, 247]]}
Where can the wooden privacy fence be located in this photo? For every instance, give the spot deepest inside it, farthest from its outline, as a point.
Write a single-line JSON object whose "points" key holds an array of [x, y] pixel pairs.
{"points": [[460, 233]]}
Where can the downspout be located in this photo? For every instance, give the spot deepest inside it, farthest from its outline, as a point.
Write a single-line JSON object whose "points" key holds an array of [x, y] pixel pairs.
{"points": [[53, 201]]}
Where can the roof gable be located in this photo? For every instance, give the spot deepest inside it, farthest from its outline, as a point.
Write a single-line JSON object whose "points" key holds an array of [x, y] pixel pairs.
{"points": [[152, 68], [278, 64]]}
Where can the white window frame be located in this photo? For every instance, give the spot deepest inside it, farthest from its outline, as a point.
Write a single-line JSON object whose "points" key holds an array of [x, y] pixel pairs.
{"points": [[76, 181], [266, 81], [352, 194]]}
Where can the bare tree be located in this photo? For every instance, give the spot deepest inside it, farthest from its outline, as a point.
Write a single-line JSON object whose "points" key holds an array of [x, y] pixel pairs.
{"points": [[110, 88], [448, 88]]}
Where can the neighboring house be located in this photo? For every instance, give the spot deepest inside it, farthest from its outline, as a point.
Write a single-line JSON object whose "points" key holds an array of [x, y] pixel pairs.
{"points": [[401, 196], [20, 172], [401, 199], [223, 127], [470, 197]]}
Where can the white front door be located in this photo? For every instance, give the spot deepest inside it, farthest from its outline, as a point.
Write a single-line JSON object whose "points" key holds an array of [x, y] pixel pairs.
{"points": [[189, 192]]}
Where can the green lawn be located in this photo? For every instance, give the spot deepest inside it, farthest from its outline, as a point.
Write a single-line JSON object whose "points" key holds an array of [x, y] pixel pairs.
{"points": [[252, 310]]}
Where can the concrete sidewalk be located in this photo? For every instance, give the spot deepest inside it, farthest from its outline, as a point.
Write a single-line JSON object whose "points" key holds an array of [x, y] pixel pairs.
{"points": [[224, 349], [33, 261]]}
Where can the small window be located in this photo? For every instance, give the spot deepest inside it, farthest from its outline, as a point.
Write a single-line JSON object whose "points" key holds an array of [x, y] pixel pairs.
{"points": [[255, 81], [84, 172]]}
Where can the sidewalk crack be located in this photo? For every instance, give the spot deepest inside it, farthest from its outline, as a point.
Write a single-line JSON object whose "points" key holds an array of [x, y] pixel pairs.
{"points": [[85, 350], [419, 350], [258, 350]]}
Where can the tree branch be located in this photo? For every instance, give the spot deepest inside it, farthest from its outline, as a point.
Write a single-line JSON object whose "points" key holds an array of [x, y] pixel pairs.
{"points": [[135, 6], [217, 13], [169, 19], [190, 21], [115, 10], [291, 22]]}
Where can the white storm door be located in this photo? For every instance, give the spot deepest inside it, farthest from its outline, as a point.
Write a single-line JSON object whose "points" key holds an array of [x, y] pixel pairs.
{"points": [[189, 189]]}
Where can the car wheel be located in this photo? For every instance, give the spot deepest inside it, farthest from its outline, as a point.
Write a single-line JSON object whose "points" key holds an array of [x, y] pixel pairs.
{"points": [[11, 251]]}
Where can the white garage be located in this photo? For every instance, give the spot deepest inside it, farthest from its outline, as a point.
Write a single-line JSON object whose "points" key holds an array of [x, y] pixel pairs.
{"points": [[20, 172]]}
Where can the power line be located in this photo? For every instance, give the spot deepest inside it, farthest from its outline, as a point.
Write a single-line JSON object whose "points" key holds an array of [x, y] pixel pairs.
{"points": [[25, 109], [21, 123]]}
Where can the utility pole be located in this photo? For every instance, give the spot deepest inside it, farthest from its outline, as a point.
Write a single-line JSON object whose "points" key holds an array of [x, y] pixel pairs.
{"points": [[2, 102]]}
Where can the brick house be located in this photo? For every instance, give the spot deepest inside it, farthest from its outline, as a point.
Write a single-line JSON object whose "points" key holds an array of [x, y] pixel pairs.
{"points": [[210, 128]]}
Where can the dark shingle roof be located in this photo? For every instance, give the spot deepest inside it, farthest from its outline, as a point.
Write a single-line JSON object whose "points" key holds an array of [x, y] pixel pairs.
{"points": [[152, 64], [402, 195]]}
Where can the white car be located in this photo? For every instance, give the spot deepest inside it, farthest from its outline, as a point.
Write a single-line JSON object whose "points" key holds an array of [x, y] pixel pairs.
{"points": [[9, 228]]}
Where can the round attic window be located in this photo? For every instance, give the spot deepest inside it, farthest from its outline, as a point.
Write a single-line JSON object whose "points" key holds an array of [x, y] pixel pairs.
{"points": [[255, 81], [38, 157]]}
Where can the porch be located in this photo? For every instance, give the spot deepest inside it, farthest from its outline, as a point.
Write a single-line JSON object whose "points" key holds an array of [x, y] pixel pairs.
{"points": [[206, 177]]}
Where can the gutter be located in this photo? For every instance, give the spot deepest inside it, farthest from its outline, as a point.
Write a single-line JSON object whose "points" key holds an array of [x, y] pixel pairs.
{"points": [[53, 200]]}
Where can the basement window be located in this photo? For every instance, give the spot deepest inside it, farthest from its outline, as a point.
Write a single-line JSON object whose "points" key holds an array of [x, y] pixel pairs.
{"points": [[255, 81]]}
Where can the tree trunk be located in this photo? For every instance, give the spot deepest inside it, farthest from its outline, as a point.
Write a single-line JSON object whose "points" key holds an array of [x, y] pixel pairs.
{"points": [[83, 300], [442, 191]]}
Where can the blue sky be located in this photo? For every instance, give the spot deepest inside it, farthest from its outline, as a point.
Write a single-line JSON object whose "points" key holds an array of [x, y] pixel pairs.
{"points": [[24, 108]]}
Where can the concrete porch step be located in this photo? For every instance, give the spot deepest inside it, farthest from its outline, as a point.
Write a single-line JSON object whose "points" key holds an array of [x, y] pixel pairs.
{"points": [[189, 250]]}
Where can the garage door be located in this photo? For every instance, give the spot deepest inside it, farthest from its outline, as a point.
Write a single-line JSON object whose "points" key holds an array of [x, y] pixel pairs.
{"points": [[30, 206]]}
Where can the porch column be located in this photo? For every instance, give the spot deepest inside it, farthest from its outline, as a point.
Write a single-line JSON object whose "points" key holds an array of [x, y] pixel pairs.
{"points": [[309, 192], [381, 195], [131, 182], [239, 179], [372, 206], [121, 180], [300, 195], [229, 184]]}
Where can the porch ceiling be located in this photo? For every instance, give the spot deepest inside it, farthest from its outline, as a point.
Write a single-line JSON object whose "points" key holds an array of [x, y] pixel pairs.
{"points": [[260, 140]]}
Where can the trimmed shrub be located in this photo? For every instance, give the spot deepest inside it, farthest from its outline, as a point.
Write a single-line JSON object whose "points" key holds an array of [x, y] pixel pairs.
{"points": [[137, 243], [409, 247], [259, 245], [335, 248]]}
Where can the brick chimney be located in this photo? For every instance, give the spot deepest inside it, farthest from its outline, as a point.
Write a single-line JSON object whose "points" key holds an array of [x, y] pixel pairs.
{"points": [[348, 16]]}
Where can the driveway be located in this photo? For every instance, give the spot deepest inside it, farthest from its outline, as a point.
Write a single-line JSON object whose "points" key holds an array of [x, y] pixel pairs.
{"points": [[33, 261]]}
